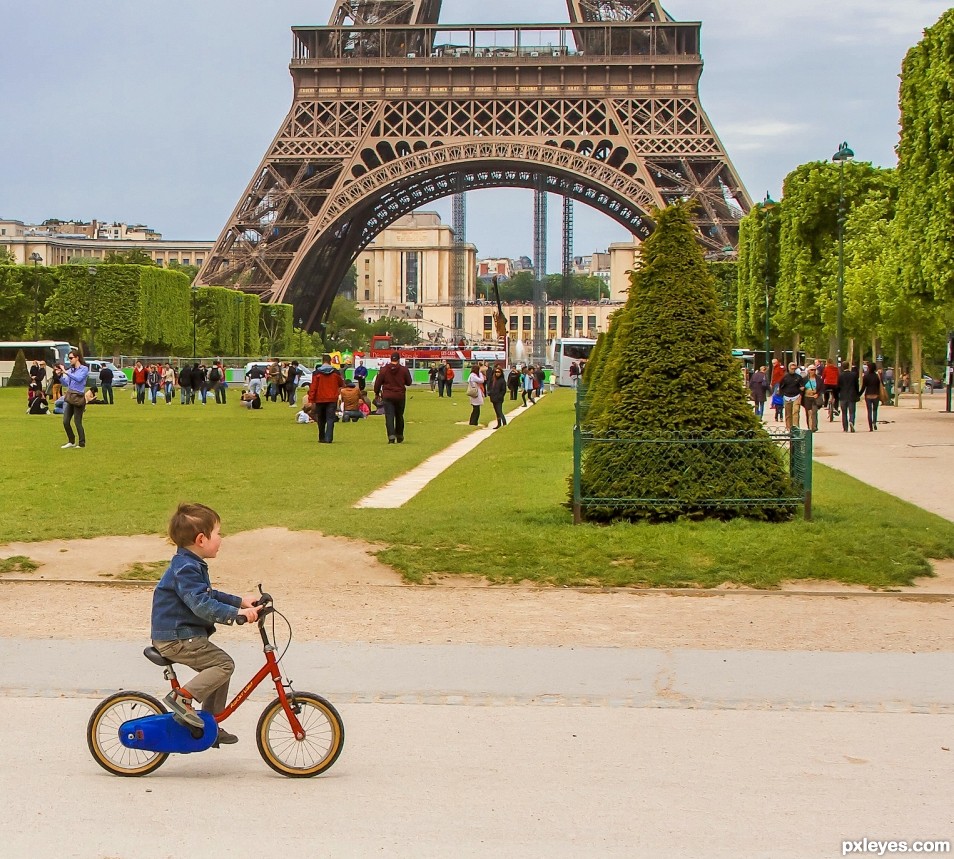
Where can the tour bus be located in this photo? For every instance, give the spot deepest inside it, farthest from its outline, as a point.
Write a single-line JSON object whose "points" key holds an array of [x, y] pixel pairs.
{"points": [[51, 351], [566, 351]]}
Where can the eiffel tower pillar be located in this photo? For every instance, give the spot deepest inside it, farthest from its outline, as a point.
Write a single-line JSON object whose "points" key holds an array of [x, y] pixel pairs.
{"points": [[392, 111]]}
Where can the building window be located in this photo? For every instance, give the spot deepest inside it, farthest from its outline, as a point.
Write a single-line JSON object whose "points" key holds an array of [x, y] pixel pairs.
{"points": [[488, 324], [591, 323], [411, 266], [185, 260], [198, 260], [173, 261], [367, 295], [578, 323], [513, 323], [551, 323]]}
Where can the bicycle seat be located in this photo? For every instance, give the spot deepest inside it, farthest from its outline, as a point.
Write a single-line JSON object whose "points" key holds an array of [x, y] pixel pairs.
{"points": [[155, 656]]}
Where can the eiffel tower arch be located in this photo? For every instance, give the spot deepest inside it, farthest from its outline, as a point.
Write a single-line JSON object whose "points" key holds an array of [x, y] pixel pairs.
{"points": [[393, 110]]}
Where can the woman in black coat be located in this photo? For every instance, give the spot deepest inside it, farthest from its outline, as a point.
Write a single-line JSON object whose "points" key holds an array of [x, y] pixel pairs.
{"points": [[496, 391], [871, 390]]}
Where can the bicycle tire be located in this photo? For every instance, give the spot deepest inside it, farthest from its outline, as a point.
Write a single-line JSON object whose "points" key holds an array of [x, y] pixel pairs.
{"points": [[323, 742], [102, 734]]}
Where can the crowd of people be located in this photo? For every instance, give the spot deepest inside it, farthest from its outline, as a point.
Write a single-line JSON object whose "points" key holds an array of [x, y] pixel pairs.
{"points": [[330, 397], [817, 385]]}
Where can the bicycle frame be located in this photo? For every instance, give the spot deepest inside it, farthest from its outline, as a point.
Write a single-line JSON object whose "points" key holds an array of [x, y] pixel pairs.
{"points": [[270, 668]]}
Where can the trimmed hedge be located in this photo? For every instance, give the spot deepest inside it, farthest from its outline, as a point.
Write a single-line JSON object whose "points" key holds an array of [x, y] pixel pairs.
{"points": [[668, 369]]}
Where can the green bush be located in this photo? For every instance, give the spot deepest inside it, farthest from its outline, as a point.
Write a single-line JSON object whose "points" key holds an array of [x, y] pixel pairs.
{"points": [[19, 375], [669, 371]]}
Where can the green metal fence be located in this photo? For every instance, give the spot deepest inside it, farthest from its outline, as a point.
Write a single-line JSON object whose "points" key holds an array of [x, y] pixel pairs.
{"points": [[693, 455]]}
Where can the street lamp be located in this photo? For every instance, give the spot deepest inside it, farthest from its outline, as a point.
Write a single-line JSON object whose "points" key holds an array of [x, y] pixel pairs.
{"points": [[840, 157], [91, 271], [301, 322], [195, 292], [767, 205], [36, 259]]}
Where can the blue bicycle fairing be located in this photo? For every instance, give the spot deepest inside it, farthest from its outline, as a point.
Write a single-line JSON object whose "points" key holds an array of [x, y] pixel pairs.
{"points": [[164, 734]]}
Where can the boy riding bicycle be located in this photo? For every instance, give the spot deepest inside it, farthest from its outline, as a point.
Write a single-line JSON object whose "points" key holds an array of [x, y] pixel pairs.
{"points": [[185, 609]]}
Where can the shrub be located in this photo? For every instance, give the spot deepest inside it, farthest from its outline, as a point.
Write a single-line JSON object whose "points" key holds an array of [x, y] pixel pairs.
{"points": [[19, 375], [668, 370]]}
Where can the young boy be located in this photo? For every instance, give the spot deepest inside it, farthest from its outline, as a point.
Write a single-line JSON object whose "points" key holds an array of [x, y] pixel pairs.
{"points": [[185, 610]]}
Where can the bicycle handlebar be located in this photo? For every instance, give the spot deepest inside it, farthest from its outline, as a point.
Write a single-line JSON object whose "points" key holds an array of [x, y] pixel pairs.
{"points": [[265, 601]]}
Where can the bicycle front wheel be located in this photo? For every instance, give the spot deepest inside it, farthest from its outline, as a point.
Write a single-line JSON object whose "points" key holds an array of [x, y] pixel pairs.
{"points": [[102, 734], [316, 752]]}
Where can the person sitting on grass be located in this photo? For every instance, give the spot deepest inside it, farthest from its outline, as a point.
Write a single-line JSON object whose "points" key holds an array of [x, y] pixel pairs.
{"points": [[39, 404], [92, 399], [251, 400], [350, 399]]}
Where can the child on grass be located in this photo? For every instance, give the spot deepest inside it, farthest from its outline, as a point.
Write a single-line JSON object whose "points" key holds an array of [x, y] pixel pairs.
{"points": [[185, 610]]}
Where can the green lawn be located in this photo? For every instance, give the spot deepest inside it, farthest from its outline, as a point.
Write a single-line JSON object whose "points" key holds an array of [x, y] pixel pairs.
{"points": [[499, 512]]}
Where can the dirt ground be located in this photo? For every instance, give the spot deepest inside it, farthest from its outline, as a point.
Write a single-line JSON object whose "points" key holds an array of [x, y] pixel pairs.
{"points": [[335, 590]]}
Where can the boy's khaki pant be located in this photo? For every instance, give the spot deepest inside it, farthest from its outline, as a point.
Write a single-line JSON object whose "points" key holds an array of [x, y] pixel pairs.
{"points": [[215, 667]]}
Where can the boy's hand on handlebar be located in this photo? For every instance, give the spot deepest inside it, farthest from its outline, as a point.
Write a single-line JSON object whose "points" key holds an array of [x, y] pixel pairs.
{"points": [[249, 600], [250, 613]]}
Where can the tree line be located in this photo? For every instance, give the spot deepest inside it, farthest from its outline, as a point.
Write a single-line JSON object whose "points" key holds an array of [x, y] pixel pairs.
{"points": [[897, 227]]}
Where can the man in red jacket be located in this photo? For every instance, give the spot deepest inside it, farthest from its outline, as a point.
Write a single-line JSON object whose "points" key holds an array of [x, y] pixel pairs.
{"points": [[326, 384], [391, 383]]}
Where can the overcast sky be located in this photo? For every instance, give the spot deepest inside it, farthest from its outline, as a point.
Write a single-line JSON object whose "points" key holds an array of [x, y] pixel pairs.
{"points": [[159, 113]]}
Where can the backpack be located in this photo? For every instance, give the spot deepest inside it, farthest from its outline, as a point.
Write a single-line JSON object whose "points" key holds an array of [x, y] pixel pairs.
{"points": [[214, 374]]}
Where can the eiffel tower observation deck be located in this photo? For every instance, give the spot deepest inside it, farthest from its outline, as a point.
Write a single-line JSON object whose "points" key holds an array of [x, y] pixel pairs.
{"points": [[393, 110]]}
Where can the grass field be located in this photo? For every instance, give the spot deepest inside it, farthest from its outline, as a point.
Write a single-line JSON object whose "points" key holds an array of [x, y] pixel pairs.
{"points": [[499, 512]]}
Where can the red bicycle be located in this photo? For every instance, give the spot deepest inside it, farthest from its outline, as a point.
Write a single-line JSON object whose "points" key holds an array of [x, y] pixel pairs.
{"points": [[299, 734]]}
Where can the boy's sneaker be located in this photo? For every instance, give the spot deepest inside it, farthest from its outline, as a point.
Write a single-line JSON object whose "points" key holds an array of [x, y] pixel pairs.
{"points": [[67, 445], [224, 739], [182, 707]]}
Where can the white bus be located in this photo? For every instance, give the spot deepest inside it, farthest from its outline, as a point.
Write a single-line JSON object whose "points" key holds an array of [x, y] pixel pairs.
{"points": [[51, 351], [567, 351]]}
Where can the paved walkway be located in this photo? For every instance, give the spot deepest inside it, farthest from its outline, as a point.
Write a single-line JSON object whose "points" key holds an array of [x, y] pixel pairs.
{"points": [[911, 455], [403, 488]]}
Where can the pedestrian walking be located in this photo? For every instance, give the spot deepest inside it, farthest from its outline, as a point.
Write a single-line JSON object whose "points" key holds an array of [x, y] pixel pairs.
{"points": [[326, 385], [391, 385], [759, 387], [848, 396], [106, 384], [791, 387], [871, 390], [496, 392], [475, 393]]}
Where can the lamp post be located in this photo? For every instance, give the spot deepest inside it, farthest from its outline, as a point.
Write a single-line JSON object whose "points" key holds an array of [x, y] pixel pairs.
{"points": [[301, 322], [195, 292], [91, 271], [238, 325], [36, 259], [767, 205], [840, 157]]}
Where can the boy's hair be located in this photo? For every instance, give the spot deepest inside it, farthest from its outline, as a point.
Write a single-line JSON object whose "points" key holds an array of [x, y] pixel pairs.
{"points": [[189, 521]]}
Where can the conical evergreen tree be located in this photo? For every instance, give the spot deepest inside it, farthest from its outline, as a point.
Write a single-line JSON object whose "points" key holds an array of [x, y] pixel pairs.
{"points": [[19, 375], [669, 370]]}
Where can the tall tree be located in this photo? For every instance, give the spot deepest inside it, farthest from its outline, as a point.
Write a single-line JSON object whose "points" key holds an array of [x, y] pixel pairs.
{"points": [[926, 164], [806, 296]]}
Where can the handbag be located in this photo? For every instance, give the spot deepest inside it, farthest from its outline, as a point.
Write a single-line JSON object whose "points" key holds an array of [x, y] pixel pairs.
{"points": [[883, 394], [472, 390], [75, 398]]}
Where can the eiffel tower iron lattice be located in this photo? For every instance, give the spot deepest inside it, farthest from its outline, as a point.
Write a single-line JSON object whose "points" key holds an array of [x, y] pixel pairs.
{"points": [[392, 111]]}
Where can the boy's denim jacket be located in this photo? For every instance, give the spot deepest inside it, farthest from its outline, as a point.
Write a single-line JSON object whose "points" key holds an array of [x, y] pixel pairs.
{"points": [[184, 605]]}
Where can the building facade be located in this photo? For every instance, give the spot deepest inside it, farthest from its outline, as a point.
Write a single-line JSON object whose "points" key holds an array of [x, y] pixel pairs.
{"points": [[56, 246]]}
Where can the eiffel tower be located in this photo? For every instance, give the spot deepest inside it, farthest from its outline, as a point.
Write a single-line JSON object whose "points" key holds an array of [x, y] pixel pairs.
{"points": [[393, 110]]}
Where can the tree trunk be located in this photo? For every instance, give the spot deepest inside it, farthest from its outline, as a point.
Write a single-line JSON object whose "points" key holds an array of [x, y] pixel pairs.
{"points": [[898, 372], [916, 367], [851, 351]]}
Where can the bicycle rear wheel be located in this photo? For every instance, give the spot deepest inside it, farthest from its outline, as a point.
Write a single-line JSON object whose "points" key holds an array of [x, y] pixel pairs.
{"points": [[102, 734], [323, 741]]}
